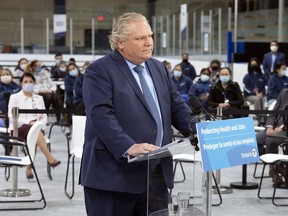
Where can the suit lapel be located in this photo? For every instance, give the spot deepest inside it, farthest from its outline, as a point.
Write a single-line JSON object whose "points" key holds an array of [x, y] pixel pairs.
{"points": [[124, 69]]}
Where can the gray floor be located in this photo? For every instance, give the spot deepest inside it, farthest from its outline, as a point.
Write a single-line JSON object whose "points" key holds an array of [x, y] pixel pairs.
{"points": [[239, 202]]}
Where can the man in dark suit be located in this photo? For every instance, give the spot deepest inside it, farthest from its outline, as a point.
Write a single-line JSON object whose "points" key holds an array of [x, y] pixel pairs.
{"points": [[121, 124], [274, 124], [271, 57]]}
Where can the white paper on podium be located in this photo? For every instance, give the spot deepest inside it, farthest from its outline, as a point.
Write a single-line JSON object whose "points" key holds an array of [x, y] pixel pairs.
{"points": [[177, 147]]}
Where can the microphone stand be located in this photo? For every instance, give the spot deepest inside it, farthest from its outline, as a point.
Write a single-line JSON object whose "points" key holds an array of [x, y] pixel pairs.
{"points": [[208, 176], [222, 189]]}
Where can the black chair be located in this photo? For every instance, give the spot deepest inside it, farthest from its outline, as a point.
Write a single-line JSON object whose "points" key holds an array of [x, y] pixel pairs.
{"points": [[280, 161], [5, 131], [29, 147]]}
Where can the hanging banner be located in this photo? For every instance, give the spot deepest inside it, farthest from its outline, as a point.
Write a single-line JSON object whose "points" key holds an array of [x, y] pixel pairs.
{"points": [[183, 20], [206, 42], [164, 40], [59, 25], [227, 143], [205, 24]]}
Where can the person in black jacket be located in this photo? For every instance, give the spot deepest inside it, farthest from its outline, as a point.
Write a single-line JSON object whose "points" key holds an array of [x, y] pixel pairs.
{"points": [[7, 87], [254, 84], [187, 68], [276, 125], [225, 93]]}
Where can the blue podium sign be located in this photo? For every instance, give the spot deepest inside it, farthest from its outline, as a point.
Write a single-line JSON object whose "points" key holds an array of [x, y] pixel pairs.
{"points": [[227, 143]]}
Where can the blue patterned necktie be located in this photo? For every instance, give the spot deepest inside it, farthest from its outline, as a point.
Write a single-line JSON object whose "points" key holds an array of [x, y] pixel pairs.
{"points": [[151, 103]]}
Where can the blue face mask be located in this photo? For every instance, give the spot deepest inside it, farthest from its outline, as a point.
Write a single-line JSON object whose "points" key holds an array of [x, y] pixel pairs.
{"points": [[28, 87], [177, 73], [283, 73], [204, 78], [224, 79], [38, 69], [73, 72]]}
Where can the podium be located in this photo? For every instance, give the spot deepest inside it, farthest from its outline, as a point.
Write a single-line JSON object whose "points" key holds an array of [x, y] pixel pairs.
{"points": [[160, 171]]}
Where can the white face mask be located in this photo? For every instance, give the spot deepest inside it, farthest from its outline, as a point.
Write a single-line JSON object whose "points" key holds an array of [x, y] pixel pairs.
{"points": [[57, 61], [204, 78], [274, 48], [23, 66], [6, 79], [62, 69], [283, 73]]}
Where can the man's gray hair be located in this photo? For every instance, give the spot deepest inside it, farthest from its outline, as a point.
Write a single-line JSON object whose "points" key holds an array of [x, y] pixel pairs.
{"points": [[121, 28]]}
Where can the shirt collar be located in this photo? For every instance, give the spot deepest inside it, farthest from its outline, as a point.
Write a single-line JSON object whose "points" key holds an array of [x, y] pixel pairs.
{"points": [[132, 66]]}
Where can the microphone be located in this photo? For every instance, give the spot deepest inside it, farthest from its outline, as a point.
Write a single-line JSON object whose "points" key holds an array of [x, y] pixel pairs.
{"points": [[197, 107]]}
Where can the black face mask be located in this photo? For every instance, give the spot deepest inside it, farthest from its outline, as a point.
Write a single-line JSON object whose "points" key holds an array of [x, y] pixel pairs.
{"points": [[185, 60], [254, 67], [215, 68]]}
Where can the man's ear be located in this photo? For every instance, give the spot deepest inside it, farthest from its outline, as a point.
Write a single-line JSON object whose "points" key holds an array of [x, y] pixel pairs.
{"points": [[120, 44]]}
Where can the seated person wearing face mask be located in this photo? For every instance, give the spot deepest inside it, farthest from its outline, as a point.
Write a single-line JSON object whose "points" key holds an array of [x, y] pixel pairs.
{"points": [[60, 71], [182, 82], [225, 93], [26, 99], [202, 87], [254, 84], [7, 86], [276, 82], [214, 68], [53, 70], [20, 69], [44, 85], [72, 72], [78, 95]]}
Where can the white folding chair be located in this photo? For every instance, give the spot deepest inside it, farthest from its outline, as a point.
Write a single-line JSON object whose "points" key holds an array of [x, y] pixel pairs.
{"points": [[30, 149], [272, 159], [257, 129], [75, 148]]}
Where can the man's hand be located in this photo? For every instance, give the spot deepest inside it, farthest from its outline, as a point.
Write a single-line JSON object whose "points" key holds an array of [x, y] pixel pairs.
{"points": [[259, 95], [278, 129], [32, 122], [141, 148], [270, 131], [223, 105]]}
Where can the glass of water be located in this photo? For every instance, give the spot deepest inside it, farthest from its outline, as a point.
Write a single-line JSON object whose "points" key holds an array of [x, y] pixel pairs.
{"points": [[183, 201], [173, 205]]}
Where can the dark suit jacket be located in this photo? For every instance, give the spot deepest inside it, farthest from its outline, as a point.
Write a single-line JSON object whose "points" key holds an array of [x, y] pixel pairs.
{"points": [[267, 62], [281, 104], [118, 117]]}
